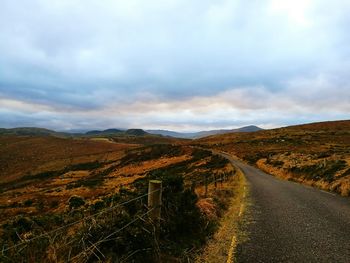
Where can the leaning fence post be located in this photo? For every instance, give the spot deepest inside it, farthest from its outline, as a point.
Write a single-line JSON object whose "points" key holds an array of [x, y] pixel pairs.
{"points": [[155, 199]]}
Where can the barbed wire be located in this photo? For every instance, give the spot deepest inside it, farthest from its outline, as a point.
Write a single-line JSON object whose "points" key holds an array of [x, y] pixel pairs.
{"points": [[24, 242], [80, 220], [108, 238]]}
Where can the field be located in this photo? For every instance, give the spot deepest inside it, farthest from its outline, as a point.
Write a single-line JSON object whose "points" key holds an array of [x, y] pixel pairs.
{"points": [[316, 154], [85, 198], [47, 183]]}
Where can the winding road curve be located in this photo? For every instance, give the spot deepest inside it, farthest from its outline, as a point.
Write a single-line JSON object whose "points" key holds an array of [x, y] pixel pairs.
{"points": [[293, 222]]}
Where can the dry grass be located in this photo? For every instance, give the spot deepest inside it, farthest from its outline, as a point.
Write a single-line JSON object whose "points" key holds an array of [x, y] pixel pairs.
{"points": [[20, 155], [99, 177], [316, 154], [53, 190], [221, 245]]}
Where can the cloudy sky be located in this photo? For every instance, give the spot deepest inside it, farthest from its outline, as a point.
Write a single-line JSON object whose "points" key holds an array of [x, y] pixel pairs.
{"points": [[173, 64]]}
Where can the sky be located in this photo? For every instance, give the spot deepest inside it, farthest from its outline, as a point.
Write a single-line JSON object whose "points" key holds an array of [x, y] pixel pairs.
{"points": [[177, 65]]}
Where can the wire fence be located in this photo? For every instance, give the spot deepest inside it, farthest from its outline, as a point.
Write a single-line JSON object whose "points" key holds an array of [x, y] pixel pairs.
{"points": [[92, 248], [46, 234]]}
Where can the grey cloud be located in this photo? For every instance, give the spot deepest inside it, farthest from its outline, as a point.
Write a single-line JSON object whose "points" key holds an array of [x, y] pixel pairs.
{"points": [[89, 55]]}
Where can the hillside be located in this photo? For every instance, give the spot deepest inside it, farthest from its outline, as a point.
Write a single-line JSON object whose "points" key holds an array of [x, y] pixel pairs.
{"points": [[22, 155], [72, 186], [32, 131], [104, 132], [316, 154], [116, 132]]}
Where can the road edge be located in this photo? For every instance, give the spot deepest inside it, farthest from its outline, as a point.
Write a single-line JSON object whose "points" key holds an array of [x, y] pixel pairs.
{"points": [[222, 247]]}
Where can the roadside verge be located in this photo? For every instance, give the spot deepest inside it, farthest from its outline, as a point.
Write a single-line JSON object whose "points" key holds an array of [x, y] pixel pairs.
{"points": [[221, 247]]}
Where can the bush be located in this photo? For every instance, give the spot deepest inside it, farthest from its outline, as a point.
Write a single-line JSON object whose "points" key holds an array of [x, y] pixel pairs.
{"points": [[84, 166], [319, 171], [40, 206], [76, 202], [54, 204], [28, 202], [150, 153], [13, 230]]}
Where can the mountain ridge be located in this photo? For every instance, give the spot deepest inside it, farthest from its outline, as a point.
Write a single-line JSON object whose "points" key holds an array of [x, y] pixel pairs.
{"points": [[36, 131], [201, 134]]}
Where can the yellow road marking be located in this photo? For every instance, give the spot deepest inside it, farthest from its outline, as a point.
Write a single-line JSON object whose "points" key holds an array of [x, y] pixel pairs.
{"points": [[234, 240], [230, 252], [241, 210]]}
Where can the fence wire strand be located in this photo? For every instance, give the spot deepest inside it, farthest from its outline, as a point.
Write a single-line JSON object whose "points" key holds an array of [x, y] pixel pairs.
{"points": [[108, 238], [78, 221]]}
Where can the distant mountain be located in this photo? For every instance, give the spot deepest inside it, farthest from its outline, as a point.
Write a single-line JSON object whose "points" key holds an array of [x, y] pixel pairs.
{"points": [[33, 131], [136, 132], [170, 133], [132, 132], [196, 135], [104, 132]]}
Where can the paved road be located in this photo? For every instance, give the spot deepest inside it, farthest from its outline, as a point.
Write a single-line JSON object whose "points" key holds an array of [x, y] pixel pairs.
{"points": [[293, 223]]}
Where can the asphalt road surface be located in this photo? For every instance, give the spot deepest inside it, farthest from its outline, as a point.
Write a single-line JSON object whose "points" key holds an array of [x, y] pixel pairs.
{"points": [[293, 222]]}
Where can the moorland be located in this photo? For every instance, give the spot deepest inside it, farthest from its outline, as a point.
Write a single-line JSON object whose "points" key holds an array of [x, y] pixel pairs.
{"points": [[67, 191], [316, 154]]}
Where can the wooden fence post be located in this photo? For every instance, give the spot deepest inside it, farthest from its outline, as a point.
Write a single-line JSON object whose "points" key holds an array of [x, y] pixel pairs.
{"points": [[155, 199]]}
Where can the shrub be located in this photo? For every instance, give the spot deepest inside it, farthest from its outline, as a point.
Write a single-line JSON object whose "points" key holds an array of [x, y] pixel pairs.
{"points": [[54, 204], [40, 206], [76, 202], [319, 171], [28, 202], [84, 166]]}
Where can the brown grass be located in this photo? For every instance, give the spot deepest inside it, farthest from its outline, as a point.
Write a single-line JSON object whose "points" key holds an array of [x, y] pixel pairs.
{"points": [[285, 152], [20, 155], [221, 245]]}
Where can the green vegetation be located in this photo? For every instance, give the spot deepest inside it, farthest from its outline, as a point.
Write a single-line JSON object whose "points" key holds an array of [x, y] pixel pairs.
{"points": [[28, 202], [183, 227], [91, 182], [200, 154], [254, 157], [275, 163], [320, 171], [150, 153], [96, 179], [85, 166], [76, 202]]}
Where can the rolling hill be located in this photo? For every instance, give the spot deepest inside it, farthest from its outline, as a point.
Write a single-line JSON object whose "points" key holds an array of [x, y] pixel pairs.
{"points": [[32, 131], [316, 154], [200, 134], [70, 187]]}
